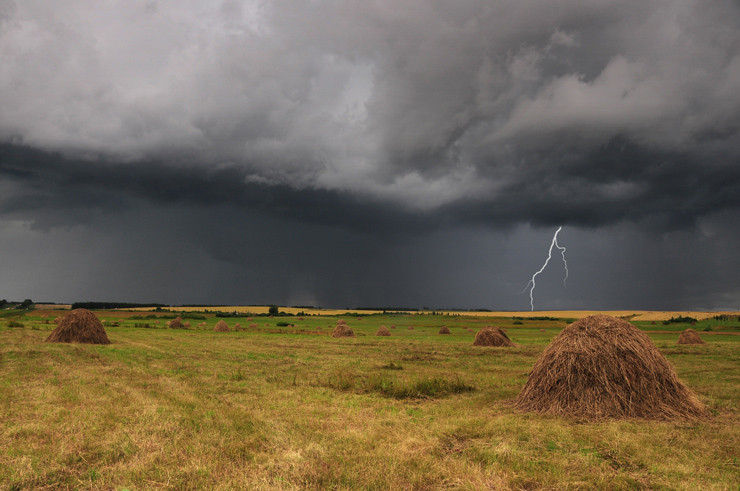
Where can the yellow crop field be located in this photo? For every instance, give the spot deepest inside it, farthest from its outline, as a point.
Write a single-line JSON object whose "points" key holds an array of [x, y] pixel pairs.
{"points": [[636, 315]]}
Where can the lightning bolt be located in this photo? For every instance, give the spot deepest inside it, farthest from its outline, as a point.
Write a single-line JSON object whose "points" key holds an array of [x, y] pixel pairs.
{"points": [[531, 282]]}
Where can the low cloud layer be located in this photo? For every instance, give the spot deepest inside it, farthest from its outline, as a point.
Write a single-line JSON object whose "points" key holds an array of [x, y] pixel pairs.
{"points": [[386, 118]]}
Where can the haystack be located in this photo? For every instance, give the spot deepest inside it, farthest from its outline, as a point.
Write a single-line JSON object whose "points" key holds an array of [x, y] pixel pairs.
{"points": [[237, 326], [175, 323], [187, 324], [689, 336], [221, 326], [383, 331], [79, 326], [492, 336], [411, 328], [604, 367], [444, 330], [342, 331]]}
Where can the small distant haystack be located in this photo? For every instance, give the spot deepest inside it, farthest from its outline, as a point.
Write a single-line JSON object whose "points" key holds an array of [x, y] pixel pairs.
{"points": [[604, 367], [393, 326], [383, 331], [237, 326], [175, 323], [492, 336], [253, 326], [689, 336], [411, 328], [221, 326], [187, 324], [202, 324], [79, 326], [444, 330], [342, 330]]}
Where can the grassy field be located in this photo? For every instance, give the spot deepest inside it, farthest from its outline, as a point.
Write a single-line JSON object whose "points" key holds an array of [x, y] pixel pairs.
{"points": [[288, 407]]}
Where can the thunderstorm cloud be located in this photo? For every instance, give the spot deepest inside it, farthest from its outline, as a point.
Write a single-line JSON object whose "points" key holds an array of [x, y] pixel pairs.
{"points": [[371, 152]]}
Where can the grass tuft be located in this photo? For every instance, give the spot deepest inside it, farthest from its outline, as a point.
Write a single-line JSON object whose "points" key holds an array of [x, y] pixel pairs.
{"points": [[427, 387]]}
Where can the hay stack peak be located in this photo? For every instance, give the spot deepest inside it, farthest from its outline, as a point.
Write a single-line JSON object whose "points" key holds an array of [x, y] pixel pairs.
{"points": [[492, 336], [604, 367], [689, 336], [444, 330], [383, 331], [221, 326], [79, 326]]}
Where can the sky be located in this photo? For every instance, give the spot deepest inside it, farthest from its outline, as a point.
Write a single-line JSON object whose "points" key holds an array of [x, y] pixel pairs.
{"points": [[374, 153]]}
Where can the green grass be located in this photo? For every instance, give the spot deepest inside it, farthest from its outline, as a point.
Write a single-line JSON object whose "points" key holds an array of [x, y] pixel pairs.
{"points": [[289, 407]]}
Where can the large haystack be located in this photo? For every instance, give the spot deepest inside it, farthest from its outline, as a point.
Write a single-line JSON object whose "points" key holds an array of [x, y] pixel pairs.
{"points": [[221, 326], [175, 323], [342, 331], [79, 326], [689, 336], [444, 330], [383, 331], [492, 336], [604, 367]]}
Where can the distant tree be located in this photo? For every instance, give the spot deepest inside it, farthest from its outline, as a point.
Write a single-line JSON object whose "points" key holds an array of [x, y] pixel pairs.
{"points": [[26, 304], [273, 310]]}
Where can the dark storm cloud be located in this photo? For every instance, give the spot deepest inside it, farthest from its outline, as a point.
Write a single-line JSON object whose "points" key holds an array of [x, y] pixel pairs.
{"points": [[385, 119], [416, 103], [619, 182]]}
